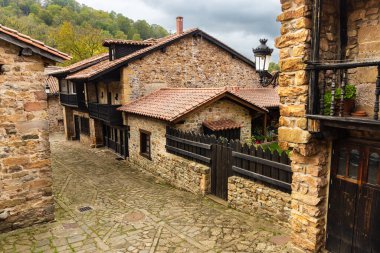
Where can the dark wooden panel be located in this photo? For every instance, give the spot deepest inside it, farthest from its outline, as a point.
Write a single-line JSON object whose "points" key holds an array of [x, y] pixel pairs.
{"points": [[261, 177], [187, 153], [262, 161]]}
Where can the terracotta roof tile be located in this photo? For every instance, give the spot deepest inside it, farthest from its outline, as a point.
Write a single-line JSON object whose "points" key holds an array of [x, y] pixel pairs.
{"points": [[171, 103], [81, 64], [264, 97], [223, 124], [52, 82], [32, 42], [106, 64]]}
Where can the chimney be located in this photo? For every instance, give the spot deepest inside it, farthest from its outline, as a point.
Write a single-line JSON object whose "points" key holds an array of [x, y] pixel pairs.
{"points": [[179, 25]]}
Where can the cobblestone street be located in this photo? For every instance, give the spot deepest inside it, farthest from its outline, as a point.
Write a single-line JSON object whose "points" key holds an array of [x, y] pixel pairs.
{"points": [[131, 212]]}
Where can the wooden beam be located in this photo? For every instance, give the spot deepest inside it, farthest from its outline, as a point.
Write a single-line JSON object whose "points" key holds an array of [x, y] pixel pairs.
{"points": [[262, 177], [192, 143], [189, 154], [263, 161], [315, 45]]}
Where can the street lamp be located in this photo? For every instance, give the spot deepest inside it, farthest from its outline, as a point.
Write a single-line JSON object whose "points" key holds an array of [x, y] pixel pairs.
{"points": [[262, 59]]}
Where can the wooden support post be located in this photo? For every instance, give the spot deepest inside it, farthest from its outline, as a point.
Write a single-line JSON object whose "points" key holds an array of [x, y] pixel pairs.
{"points": [[265, 125], [377, 94]]}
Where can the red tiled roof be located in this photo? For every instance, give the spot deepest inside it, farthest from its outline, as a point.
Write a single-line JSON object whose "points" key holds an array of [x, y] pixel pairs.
{"points": [[148, 42], [81, 64], [106, 65], [172, 103], [223, 124], [263, 97], [32, 42]]}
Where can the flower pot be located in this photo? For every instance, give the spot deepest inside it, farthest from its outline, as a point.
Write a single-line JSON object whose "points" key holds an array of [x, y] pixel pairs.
{"points": [[348, 107]]}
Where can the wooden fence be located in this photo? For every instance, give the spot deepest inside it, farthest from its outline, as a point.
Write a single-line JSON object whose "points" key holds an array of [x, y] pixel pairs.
{"points": [[191, 146], [231, 158]]}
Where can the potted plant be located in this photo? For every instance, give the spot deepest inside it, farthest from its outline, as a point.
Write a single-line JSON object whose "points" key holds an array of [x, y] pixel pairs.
{"points": [[348, 103]]}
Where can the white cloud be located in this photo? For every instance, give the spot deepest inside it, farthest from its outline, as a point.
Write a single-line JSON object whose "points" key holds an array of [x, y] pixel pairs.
{"points": [[238, 23]]}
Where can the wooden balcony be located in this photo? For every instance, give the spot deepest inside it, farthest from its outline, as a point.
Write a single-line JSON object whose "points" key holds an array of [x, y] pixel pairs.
{"points": [[330, 90], [72, 100], [106, 113]]}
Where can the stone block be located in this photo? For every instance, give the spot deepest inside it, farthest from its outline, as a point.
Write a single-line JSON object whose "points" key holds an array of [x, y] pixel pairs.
{"points": [[294, 135], [35, 106], [292, 64], [302, 11], [293, 110], [293, 38], [292, 91]]}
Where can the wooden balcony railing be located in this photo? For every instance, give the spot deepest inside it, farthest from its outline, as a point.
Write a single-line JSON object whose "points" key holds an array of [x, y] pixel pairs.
{"points": [[72, 100], [106, 113], [331, 93]]}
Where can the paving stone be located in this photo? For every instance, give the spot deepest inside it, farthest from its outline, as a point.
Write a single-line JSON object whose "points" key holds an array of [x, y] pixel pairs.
{"points": [[133, 213]]}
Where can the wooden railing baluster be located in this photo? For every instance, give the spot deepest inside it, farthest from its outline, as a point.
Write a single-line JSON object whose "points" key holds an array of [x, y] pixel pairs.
{"points": [[377, 93], [322, 99], [333, 88], [343, 88]]}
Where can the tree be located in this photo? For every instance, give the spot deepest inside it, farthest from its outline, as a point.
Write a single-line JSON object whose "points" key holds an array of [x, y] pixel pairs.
{"points": [[80, 42], [273, 67], [72, 27]]}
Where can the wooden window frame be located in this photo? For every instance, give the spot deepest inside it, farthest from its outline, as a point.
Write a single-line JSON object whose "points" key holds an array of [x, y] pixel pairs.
{"points": [[147, 154], [365, 148]]}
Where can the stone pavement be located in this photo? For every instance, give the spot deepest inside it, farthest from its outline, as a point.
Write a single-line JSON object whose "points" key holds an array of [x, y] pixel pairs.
{"points": [[133, 212]]}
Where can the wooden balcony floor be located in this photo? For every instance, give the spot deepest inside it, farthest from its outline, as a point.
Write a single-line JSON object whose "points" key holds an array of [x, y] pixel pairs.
{"points": [[353, 123]]}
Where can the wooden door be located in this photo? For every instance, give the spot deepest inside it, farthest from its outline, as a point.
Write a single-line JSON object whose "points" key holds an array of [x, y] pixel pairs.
{"points": [[353, 213], [77, 127], [220, 170]]}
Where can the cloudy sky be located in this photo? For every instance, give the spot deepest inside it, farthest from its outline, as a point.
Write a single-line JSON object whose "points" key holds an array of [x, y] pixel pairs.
{"points": [[238, 23]]}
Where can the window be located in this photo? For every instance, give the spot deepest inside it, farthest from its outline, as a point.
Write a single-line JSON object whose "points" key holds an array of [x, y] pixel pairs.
{"points": [[374, 169], [64, 87], [72, 88], [84, 126], [112, 53], [145, 144]]}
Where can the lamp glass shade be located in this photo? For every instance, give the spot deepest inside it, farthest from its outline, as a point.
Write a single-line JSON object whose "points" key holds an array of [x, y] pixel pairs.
{"points": [[262, 62], [47, 89]]}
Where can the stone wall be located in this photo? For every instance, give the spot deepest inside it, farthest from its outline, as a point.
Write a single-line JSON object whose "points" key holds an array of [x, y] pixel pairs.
{"points": [[190, 62], [222, 109], [309, 157], [55, 112], [174, 170], [25, 171], [364, 43], [255, 198]]}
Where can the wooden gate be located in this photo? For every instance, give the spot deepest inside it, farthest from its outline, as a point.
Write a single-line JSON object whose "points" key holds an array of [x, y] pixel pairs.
{"points": [[354, 202], [231, 158], [221, 169], [116, 139]]}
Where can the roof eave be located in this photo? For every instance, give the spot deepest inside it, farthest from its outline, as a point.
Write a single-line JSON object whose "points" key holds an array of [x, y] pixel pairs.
{"points": [[54, 57]]}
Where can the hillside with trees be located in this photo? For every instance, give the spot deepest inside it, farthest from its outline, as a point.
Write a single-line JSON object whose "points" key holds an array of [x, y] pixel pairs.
{"points": [[71, 27]]}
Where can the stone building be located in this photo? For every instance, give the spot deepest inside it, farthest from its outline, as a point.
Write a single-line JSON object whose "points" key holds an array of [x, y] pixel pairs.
{"points": [[91, 90], [55, 110], [329, 57], [222, 112], [25, 187]]}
